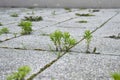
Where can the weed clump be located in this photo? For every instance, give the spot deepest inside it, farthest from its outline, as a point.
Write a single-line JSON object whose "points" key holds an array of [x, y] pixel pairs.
{"points": [[95, 10], [25, 23], [33, 18], [21, 74], [4, 30], [83, 21], [1, 24], [115, 36], [14, 15], [68, 9], [62, 40], [116, 76], [26, 27], [77, 14], [88, 37]]}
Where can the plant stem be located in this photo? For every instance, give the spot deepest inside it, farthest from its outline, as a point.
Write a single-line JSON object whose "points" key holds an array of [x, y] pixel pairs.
{"points": [[87, 51]]}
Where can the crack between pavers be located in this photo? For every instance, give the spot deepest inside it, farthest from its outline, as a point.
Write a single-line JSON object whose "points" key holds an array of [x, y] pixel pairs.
{"points": [[96, 53], [55, 51], [41, 28], [60, 22], [36, 49], [55, 60], [10, 38]]}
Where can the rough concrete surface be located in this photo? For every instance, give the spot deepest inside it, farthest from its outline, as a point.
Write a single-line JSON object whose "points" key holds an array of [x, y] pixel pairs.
{"points": [[35, 49]]}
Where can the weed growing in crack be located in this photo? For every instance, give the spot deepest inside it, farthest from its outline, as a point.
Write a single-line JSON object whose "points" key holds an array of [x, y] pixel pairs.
{"points": [[33, 18], [14, 15], [15, 35], [4, 30], [1, 24], [25, 23], [26, 30], [115, 36], [116, 76], [23, 46], [44, 34], [68, 9], [62, 41], [21, 74], [26, 27], [56, 37], [82, 21], [77, 14], [95, 10], [67, 41], [88, 37]]}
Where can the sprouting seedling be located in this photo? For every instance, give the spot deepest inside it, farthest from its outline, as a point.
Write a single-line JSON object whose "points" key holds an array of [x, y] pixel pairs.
{"points": [[77, 14], [33, 18], [26, 27], [14, 15], [82, 21], [115, 36], [15, 35], [23, 46], [116, 76], [20, 74], [56, 38], [68, 9], [88, 37], [25, 23], [1, 24], [95, 10], [68, 41], [62, 41], [26, 30], [4, 30]]}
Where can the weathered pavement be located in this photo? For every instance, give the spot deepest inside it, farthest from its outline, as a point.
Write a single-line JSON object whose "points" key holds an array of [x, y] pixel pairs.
{"points": [[34, 49]]}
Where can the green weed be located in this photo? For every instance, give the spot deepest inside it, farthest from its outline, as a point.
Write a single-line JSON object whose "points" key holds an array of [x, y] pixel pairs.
{"points": [[15, 35], [68, 9], [62, 41], [1, 24], [33, 18], [83, 21], [26, 27], [20, 74], [25, 23], [4, 30], [88, 37], [77, 14], [116, 76], [14, 15]]}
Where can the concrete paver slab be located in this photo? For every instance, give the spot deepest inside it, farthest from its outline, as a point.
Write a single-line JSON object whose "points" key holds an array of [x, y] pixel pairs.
{"points": [[29, 42], [11, 59], [77, 66]]}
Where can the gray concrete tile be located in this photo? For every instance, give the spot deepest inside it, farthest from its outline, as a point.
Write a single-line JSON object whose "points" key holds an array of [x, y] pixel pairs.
{"points": [[29, 42], [77, 66], [11, 60], [103, 46], [110, 28]]}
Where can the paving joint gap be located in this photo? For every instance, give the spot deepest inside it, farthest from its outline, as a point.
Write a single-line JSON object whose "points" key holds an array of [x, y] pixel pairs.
{"points": [[59, 22], [10, 38]]}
